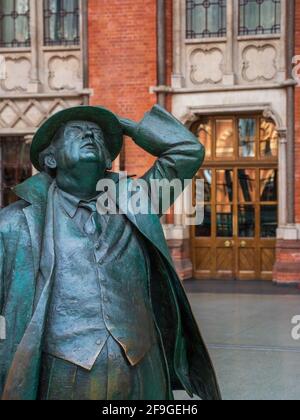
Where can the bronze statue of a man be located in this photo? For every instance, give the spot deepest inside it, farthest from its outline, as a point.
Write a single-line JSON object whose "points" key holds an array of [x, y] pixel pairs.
{"points": [[93, 307]]}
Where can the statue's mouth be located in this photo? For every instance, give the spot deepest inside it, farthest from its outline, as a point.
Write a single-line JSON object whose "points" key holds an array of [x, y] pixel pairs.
{"points": [[89, 146]]}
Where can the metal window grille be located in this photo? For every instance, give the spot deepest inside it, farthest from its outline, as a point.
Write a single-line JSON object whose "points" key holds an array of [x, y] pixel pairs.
{"points": [[61, 22], [14, 23], [206, 19], [260, 17]]}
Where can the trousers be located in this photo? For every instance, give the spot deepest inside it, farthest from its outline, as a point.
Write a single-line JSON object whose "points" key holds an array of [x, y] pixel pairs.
{"points": [[111, 378]]}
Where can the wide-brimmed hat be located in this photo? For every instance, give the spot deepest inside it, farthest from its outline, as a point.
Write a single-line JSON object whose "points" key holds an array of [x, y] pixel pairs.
{"points": [[108, 122]]}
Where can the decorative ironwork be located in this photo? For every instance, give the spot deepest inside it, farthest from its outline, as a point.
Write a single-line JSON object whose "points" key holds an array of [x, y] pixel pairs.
{"points": [[206, 19], [14, 23], [61, 22], [260, 17]]}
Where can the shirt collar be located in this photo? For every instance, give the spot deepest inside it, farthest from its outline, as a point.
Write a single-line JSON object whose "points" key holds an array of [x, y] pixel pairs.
{"points": [[71, 203]]}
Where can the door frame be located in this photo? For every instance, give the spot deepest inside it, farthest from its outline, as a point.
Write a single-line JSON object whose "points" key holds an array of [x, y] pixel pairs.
{"points": [[235, 164]]}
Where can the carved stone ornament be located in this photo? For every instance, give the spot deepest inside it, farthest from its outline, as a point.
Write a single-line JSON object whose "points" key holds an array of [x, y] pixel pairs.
{"points": [[259, 63], [206, 66]]}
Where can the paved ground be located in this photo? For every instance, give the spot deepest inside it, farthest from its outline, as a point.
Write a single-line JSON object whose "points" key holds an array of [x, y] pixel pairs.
{"points": [[249, 337]]}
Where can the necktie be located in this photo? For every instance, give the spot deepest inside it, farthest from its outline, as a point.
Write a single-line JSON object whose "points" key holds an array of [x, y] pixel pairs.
{"points": [[93, 224]]}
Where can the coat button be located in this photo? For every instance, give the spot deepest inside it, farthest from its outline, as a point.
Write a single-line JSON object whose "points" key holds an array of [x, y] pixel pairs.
{"points": [[98, 342]]}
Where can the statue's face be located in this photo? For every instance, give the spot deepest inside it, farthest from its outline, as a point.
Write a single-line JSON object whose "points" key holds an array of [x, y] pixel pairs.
{"points": [[79, 141]]}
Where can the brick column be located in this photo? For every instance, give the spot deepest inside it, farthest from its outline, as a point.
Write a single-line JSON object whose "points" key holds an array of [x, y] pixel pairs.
{"points": [[287, 267]]}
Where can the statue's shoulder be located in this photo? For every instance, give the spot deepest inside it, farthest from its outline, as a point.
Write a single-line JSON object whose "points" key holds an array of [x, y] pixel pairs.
{"points": [[12, 216]]}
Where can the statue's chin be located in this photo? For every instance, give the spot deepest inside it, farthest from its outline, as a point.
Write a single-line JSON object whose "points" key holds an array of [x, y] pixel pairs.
{"points": [[92, 157]]}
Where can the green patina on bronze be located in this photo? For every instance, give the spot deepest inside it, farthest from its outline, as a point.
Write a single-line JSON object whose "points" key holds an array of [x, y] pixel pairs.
{"points": [[107, 120], [144, 285]]}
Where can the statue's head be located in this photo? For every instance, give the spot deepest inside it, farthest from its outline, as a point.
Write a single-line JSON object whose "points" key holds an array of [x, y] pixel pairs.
{"points": [[76, 142], [75, 137]]}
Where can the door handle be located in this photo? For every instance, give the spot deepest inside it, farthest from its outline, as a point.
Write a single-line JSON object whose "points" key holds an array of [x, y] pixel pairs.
{"points": [[243, 244], [228, 244]]}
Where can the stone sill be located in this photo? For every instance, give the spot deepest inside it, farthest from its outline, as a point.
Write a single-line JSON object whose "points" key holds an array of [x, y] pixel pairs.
{"points": [[201, 41], [220, 88], [45, 95], [259, 37], [20, 50]]}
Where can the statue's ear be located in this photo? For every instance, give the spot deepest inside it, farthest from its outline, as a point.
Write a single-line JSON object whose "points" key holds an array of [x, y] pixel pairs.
{"points": [[108, 161], [108, 164], [50, 161]]}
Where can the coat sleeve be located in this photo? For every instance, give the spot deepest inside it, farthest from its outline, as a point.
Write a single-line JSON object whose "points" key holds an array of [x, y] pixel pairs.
{"points": [[1, 283], [179, 153], [2, 319]]}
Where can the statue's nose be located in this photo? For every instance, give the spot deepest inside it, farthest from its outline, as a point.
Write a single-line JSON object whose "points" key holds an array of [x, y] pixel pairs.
{"points": [[89, 134]]}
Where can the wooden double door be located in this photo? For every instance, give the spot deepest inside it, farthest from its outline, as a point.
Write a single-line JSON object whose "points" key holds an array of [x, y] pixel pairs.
{"points": [[237, 238]]}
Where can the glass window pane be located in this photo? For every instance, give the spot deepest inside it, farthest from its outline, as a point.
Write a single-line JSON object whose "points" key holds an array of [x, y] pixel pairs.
{"points": [[247, 137], [14, 24], [224, 187], [268, 139], [61, 22], [206, 176], [246, 185], [224, 221], [268, 221], [246, 221], [268, 184], [203, 131], [260, 17], [206, 19], [16, 166], [204, 230], [225, 139]]}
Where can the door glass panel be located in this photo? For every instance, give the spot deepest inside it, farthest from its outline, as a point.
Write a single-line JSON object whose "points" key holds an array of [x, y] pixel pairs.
{"points": [[268, 185], [206, 176], [224, 180], [247, 134], [204, 230], [204, 133], [246, 221], [268, 221], [246, 185], [224, 221], [225, 139], [16, 166], [268, 139]]}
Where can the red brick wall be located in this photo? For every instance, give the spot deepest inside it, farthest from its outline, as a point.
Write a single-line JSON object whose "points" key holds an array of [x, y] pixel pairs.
{"points": [[122, 63], [287, 267], [297, 111], [169, 48]]}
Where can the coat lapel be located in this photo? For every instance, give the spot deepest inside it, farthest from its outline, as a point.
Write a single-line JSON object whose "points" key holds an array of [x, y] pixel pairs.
{"points": [[23, 377], [34, 191], [35, 220]]}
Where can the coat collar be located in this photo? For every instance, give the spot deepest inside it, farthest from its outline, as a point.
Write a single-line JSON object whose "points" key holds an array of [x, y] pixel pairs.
{"points": [[35, 189]]}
